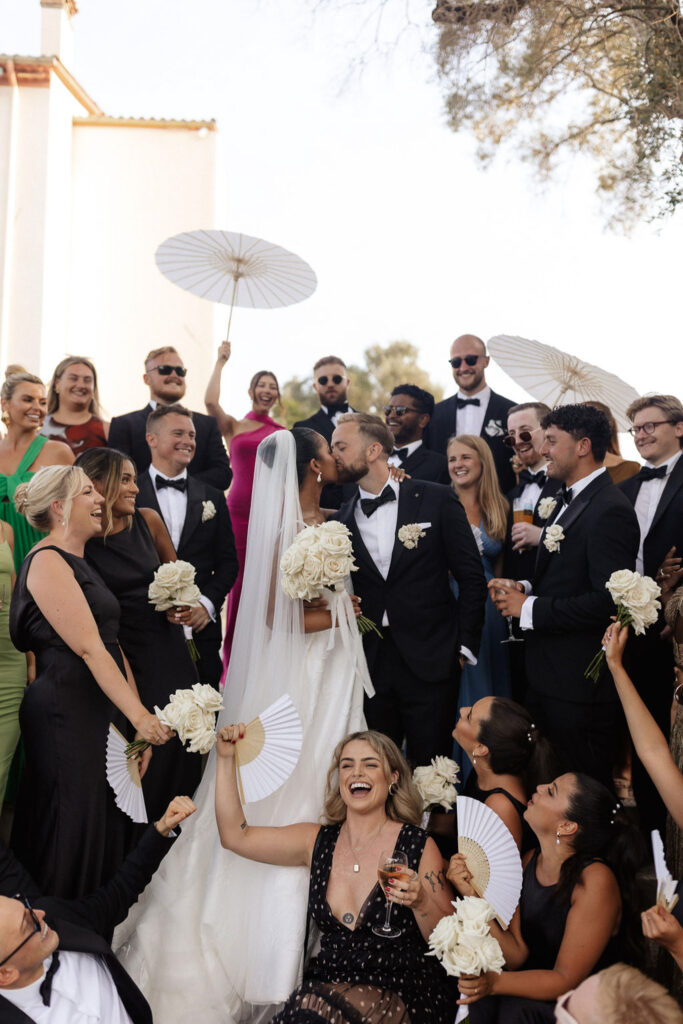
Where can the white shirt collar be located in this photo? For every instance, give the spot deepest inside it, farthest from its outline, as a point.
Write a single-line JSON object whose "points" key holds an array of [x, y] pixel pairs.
{"points": [[669, 464], [581, 484], [412, 447], [368, 494], [482, 395], [157, 472]]}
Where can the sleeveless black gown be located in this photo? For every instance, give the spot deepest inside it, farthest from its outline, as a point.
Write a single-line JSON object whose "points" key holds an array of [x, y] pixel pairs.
{"points": [[68, 832], [156, 650]]}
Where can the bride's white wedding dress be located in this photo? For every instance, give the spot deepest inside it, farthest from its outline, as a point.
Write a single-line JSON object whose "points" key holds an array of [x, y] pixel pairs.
{"points": [[216, 938]]}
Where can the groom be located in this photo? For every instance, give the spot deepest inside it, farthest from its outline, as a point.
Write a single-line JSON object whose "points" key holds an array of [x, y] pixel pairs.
{"points": [[406, 539]]}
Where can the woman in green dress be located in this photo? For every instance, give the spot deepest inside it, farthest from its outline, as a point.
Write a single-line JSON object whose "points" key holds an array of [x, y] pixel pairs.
{"points": [[23, 451], [13, 664]]}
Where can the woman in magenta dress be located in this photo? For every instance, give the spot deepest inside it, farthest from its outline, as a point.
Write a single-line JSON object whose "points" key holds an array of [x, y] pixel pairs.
{"points": [[243, 438]]}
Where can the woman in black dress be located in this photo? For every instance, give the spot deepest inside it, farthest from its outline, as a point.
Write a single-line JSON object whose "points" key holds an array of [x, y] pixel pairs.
{"points": [[578, 908], [126, 554], [68, 831], [371, 807]]}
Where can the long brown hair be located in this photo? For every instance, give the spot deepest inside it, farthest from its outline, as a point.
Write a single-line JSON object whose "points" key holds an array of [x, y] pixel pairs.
{"points": [[404, 804], [104, 466], [53, 394], [492, 502]]}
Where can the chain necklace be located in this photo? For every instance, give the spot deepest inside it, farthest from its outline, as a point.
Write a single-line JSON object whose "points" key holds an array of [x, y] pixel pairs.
{"points": [[354, 850]]}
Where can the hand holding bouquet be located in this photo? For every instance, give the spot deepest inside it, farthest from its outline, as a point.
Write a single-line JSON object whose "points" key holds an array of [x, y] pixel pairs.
{"points": [[191, 714], [636, 598], [173, 586], [464, 945]]}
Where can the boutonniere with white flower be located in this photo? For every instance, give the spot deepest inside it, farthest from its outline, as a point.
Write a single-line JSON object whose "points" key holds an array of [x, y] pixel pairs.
{"points": [[208, 511], [546, 507], [494, 428], [553, 537], [409, 535]]}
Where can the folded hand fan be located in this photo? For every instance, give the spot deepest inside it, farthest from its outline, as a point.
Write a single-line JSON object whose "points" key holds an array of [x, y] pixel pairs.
{"points": [[123, 776], [666, 886], [492, 856], [267, 754]]}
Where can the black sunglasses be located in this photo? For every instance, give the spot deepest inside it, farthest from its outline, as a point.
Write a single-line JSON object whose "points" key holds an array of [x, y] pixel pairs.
{"points": [[524, 436], [36, 927], [166, 370], [337, 379], [457, 361], [399, 410]]}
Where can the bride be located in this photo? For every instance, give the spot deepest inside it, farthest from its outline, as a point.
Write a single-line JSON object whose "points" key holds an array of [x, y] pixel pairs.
{"points": [[215, 937]]}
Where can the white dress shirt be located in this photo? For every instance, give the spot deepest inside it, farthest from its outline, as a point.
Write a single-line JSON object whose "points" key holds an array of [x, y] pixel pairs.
{"points": [[647, 501], [83, 992], [532, 492], [173, 505], [335, 416], [526, 614], [470, 420], [394, 460]]}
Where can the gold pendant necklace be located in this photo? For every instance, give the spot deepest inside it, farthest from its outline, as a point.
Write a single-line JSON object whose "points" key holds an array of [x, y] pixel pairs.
{"points": [[354, 851]]}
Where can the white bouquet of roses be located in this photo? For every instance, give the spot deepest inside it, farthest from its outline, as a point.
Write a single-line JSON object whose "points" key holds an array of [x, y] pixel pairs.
{"points": [[636, 598], [463, 942], [436, 783], [191, 714], [320, 556], [173, 585]]}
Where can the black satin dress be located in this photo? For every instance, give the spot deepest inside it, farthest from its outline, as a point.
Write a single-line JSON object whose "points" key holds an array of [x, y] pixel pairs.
{"points": [[68, 832], [156, 651]]}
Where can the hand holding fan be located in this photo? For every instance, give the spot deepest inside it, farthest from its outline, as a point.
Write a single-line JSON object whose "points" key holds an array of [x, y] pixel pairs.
{"points": [[268, 752], [666, 886], [492, 857], [123, 775]]}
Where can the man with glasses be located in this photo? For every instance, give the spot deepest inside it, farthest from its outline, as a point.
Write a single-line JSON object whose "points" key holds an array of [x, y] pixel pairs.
{"points": [[56, 962], [330, 383], [407, 415], [656, 493], [165, 377], [475, 409]]}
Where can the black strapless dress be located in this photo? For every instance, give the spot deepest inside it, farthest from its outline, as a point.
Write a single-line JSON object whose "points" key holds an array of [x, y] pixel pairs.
{"points": [[68, 831], [156, 650]]}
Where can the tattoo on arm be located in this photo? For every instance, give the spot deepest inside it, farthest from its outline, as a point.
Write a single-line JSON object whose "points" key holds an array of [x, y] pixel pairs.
{"points": [[347, 918], [243, 825], [436, 879]]}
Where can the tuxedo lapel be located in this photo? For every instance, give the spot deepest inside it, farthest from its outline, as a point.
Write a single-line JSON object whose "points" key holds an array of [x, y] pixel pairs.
{"points": [[409, 498], [576, 507], [147, 498], [193, 512], [672, 485], [360, 551]]}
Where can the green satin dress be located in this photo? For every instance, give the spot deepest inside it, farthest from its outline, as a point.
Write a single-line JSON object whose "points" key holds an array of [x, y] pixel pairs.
{"points": [[12, 673], [25, 535]]}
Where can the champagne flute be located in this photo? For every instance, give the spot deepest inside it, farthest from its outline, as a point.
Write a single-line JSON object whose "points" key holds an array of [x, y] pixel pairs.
{"points": [[392, 864], [510, 638]]}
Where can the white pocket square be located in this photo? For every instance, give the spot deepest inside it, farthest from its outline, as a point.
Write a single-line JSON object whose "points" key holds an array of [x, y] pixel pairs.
{"points": [[424, 526]]}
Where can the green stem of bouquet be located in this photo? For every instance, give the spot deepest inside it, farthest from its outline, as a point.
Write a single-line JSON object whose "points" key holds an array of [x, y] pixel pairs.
{"points": [[192, 648], [135, 748], [595, 668], [366, 625]]}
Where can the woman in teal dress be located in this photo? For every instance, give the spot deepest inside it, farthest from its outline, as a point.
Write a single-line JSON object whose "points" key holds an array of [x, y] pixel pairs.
{"points": [[473, 476], [13, 668], [23, 451]]}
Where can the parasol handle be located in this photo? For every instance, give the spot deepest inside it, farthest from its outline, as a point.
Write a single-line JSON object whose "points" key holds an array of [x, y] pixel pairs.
{"points": [[232, 305]]}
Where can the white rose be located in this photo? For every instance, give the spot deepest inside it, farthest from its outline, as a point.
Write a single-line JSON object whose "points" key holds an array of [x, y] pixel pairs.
{"points": [[546, 507], [313, 569], [189, 594], [307, 538], [159, 597], [446, 767], [461, 960], [334, 569], [334, 542], [491, 954], [445, 936], [207, 698], [293, 559], [621, 583], [168, 573], [186, 573], [474, 915], [552, 537], [202, 738], [428, 784]]}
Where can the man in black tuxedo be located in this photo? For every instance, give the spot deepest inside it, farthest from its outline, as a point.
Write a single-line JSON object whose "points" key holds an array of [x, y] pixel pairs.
{"points": [[56, 962], [656, 494], [525, 437], [331, 384], [406, 539], [407, 415], [165, 376], [476, 409], [591, 533], [198, 521]]}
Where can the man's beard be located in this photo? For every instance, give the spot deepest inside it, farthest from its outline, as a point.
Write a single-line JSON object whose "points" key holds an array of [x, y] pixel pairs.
{"points": [[351, 474]]}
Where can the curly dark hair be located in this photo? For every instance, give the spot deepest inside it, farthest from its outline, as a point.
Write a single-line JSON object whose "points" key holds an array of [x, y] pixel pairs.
{"points": [[424, 399], [582, 421]]}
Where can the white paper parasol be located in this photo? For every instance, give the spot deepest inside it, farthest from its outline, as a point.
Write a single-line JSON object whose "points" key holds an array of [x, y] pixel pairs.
{"points": [[556, 378], [235, 269], [492, 856], [269, 750]]}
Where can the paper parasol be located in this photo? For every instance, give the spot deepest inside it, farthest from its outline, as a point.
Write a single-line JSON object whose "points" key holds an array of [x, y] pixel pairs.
{"points": [[268, 753], [124, 777], [492, 856], [666, 885], [557, 378], [235, 269]]}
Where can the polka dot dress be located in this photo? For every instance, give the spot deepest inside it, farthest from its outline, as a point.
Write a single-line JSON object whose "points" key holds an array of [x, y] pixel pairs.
{"points": [[359, 976]]}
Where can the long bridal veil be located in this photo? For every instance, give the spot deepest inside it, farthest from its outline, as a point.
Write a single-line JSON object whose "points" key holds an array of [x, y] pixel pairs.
{"points": [[216, 937]]}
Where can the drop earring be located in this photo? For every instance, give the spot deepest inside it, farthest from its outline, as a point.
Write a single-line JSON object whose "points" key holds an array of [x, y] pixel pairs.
{"points": [[319, 478], [558, 837], [474, 760]]}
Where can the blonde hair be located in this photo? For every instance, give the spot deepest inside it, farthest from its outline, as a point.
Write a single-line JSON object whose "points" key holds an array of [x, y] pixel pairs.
{"points": [[14, 376], [669, 405], [373, 429], [625, 996], [493, 503], [403, 805], [53, 396], [51, 483], [160, 352]]}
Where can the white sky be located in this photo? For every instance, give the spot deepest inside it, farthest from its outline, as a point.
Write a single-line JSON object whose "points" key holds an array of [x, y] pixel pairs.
{"points": [[362, 178]]}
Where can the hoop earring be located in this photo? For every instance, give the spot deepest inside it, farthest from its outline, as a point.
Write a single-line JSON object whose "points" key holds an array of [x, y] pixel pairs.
{"points": [[319, 478], [392, 789]]}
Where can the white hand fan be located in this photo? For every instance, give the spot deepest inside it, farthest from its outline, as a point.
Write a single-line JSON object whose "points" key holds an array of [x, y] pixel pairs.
{"points": [[492, 856], [666, 886], [123, 776], [267, 754]]}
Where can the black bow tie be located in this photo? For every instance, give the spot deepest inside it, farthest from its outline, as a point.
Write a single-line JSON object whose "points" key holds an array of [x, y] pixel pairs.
{"points": [[565, 494], [370, 505], [650, 473], [46, 986], [332, 410], [402, 454], [527, 477], [178, 485], [462, 402]]}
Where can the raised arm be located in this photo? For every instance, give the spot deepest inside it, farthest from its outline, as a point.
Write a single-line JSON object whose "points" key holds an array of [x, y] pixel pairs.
{"points": [[226, 423], [52, 584], [289, 846]]}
